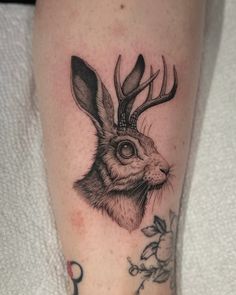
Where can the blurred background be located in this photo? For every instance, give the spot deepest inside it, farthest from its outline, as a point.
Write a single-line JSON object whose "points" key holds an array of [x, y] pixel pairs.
{"points": [[23, 2]]}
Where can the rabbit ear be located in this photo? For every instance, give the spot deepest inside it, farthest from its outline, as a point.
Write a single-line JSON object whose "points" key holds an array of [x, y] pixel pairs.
{"points": [[133, 79], [91, 95]]}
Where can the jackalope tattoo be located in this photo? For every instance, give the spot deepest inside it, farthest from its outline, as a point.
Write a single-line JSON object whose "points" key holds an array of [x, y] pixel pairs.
{"points": [[127, 164], [161, 252]]}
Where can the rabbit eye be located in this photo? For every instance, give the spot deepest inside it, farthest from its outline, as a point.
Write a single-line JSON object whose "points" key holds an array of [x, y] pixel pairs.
{"points": [[126, 149]]}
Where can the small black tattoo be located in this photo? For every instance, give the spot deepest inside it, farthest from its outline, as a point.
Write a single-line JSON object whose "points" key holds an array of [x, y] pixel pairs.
{"points": [[162, 249], [127, 165], [75, 272]]}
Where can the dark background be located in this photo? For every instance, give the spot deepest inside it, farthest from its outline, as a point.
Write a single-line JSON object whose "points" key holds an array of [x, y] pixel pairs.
{"points": [[22, 2]]}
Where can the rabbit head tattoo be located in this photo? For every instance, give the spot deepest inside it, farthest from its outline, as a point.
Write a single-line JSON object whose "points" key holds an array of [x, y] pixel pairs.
{"points": [[127, 164]]}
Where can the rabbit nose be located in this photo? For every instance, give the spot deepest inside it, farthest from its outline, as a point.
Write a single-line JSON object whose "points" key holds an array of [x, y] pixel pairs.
{"points": [[165, 170]]}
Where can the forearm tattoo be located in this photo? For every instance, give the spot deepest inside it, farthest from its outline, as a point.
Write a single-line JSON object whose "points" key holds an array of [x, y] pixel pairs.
{"points": [[162, 249], [76, 273], [127, 164]]}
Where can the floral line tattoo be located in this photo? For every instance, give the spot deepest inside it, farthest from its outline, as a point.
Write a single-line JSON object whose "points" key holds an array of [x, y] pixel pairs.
{"points": [[162, 249], [76, 273], [127, 164]]}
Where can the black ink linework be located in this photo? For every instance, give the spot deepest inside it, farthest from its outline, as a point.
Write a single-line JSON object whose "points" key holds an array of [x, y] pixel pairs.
{"points": [[75, 267], [161, 251], [127, 164]]}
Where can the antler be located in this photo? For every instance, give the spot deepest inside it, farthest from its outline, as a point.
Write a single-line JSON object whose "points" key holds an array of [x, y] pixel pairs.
{"points": [[161, 98], [126, 99]]}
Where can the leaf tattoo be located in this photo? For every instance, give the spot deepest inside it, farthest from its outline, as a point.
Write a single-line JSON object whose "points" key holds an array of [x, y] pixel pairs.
{"points": [[149, 250], [161, 276], [162, 249], [149, 231], [159, 224]]}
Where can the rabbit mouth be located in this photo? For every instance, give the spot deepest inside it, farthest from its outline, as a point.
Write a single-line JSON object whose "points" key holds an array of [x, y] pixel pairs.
{"points": [[144, 187], [156, 186]]}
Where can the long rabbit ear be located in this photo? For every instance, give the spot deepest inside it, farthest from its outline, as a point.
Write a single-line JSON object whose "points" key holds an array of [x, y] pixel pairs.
{"points": [[133, 79], [91, 95]]}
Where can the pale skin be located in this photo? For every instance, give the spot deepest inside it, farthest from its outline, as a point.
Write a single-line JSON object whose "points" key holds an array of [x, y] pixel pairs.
{"points": [[98, 31]]}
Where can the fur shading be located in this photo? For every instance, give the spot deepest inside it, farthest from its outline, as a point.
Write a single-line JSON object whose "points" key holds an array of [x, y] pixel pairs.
{"points": [[127, 164]]}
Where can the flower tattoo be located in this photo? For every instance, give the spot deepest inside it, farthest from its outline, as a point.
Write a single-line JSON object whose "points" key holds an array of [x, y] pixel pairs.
{"points": [[162, 249]]}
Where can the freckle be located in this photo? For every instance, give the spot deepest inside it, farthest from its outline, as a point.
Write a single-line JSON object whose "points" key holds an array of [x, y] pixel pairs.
{"points": [[77, 221], [122, 6]]}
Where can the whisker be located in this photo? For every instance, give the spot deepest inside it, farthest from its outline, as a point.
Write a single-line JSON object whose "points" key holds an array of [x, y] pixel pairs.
{"points": [[172, 165], [136, 188], [171, 170], [142, 124], [171, 185], [149, 128], [169, 181], [159, 199], [157, 196], [144, 129], [154, 200], [143, 190], [166, 185], [142, 187], [172, 175]]}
